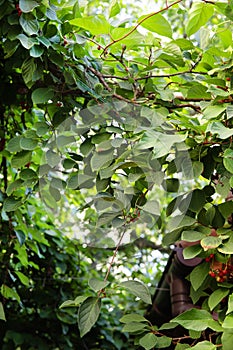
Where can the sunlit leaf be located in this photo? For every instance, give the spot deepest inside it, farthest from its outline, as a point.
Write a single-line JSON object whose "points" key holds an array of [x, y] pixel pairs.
{"points": [[158, 24], [199, 15], [95, 24]]}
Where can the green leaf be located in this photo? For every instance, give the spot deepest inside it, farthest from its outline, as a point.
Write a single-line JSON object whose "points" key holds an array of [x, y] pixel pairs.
{"points": [[148, 341], [139, 289], [28, 70], [198, 275], [195, 334], [9, 293], [192, 236], [204, 345], [219, 129], [152, 207], [199, 15], [229, 110], [88, 314], [133, 327], [51, 13], [226, 208], [27, 6], [101, 159], [36, 51], [180, 346], [42, 95], [95, 24], [23, 279], [161, 142], [227, 247], [227, 339], [26, 42], [211, 242], [77, 180], [180, 221], [52, 158], [55, 193], [21, 158], [192, 251], [41, 128], [48, 199], [198, 90], [195, 319], [197, 200], [28, 174], [14, 186], [11, 204], [163, 342], [28, 144], [212, 112], [158, 24], [80, 299], [114, 8], [228, 159], [73, 303], [216, 297], [2, 313], [67, 303], [14, 144], [86, 147], [228, 321], [29, 24], [133, 318], [230, 304], [107, 218], [96, 284], [20, 236]]}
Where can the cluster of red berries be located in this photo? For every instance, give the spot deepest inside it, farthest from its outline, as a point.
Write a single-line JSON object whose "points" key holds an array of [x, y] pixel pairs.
{"points": [[209, 258], [18, 9], [220, 274], [220, 271]]}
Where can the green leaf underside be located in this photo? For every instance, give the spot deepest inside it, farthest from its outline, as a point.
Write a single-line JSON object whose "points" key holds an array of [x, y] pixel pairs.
{"points": [[88, 314], [138, 289], [199, 15]]}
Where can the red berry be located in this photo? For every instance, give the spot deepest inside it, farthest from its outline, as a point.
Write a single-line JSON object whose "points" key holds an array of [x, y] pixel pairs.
{"points": [[211, 256], [212, 274], [228, 78]]}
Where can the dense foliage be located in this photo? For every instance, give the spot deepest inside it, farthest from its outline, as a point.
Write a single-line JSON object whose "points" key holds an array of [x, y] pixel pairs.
{"points": [[115, 140]]}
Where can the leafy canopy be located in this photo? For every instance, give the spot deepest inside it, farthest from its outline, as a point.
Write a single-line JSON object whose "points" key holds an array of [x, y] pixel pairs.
{"points": [[112, 131]]}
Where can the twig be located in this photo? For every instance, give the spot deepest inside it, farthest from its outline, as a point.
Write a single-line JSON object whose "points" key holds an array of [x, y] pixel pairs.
{"points": [[107, 87], [100, 77], [168, 75], [138, 24], [114, 254]]}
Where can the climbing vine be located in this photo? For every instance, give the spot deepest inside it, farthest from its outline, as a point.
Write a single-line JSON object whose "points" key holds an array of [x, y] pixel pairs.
{"points": [[115, 136]]}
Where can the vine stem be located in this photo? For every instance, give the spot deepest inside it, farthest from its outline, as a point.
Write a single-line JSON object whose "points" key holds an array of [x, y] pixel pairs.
{"points": [[138, 24], [114, 254]]}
